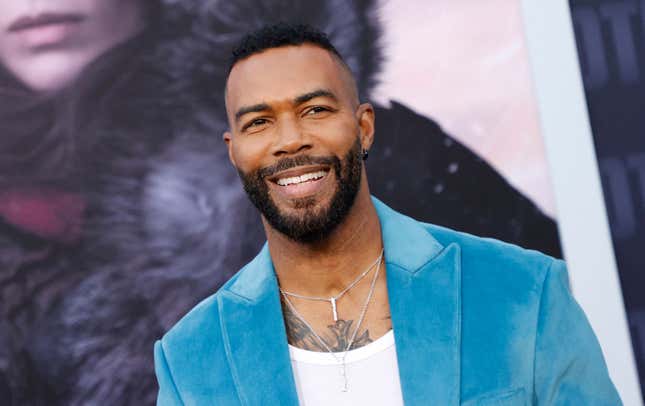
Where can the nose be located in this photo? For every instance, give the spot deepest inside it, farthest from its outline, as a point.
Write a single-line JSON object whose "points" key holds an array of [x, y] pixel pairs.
{"points": [[290, 139]]}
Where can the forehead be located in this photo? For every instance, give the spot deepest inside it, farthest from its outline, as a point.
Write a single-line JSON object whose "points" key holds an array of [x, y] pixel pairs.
{"points": [[281, 74]]}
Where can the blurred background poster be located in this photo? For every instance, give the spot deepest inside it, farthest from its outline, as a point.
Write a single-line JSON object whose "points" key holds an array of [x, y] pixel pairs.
{"points": [[610, 36], [119, 210]]}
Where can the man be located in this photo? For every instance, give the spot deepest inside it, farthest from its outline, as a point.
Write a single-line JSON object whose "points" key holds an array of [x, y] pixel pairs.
{"points": [[350, 302]]}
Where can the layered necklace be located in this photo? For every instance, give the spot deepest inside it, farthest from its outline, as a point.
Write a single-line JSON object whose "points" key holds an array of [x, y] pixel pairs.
{"points": [[339, 359], [332, 300]]}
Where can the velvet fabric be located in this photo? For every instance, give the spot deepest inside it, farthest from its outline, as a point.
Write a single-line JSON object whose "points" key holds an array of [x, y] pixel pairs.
{"points": [[476, 322]]}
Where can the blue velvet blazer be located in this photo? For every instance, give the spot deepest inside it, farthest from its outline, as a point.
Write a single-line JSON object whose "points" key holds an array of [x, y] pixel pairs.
{"points": [[476, 322]]}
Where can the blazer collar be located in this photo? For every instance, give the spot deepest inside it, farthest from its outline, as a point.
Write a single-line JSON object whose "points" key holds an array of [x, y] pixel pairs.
{"points": [[407, 244], [424, 288], [254, 336]]}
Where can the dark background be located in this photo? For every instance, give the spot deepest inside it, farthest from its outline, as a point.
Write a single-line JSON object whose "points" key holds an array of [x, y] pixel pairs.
{"points": [[611, 44]]}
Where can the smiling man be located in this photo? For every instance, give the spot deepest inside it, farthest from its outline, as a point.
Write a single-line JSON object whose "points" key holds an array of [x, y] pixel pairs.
{"points": [[350, 302]]}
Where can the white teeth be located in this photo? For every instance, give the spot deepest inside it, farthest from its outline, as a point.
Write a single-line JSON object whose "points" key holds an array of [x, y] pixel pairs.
{"points": [[302, 178]]}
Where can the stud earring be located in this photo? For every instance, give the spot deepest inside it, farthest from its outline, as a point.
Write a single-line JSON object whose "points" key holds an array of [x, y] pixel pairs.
{"points": [[365, 154]]}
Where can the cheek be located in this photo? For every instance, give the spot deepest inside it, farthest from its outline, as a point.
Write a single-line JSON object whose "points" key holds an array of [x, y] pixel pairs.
{"points": [[249, 153], [128, 15], [5, 50], [337, 136], [10, 10]]}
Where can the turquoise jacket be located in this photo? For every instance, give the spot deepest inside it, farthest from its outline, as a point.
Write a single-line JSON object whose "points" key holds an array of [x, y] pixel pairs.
{"points": [[476, 322]]}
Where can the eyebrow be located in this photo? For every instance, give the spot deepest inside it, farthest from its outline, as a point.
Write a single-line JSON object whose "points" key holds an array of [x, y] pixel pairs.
{"points": [[312, 95], [303, 98], [251, 109]]}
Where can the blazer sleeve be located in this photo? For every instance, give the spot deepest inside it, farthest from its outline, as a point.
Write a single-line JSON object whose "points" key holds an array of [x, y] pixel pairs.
{"points": [[168, 394], [569, 365]]}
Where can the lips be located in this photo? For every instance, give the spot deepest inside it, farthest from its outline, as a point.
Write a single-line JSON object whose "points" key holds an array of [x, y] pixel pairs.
{"points": [[42, 20], [300, 182], [47, 31], [307, 177]]}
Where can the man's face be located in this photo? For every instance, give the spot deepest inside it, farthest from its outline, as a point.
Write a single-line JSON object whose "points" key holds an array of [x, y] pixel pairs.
{"points": [[296, 137]]}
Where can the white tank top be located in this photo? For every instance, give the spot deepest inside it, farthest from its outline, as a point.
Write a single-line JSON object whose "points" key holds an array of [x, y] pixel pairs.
{"points": [[372, 375]]}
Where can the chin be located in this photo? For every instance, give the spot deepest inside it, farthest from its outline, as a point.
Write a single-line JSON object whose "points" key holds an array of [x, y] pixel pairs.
{"points": [[304, 206], [50, 73]]}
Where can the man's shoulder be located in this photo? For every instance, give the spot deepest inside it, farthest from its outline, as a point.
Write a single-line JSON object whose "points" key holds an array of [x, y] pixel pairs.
{"points": [[201, 325], [190, 350], [477, 255], [492, 258]]}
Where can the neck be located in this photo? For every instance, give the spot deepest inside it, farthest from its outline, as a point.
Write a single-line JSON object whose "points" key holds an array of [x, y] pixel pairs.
{"points": [[325, 268]]}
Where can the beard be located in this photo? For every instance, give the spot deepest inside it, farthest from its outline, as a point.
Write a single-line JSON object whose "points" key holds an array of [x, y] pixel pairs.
{"points": [[312, 224]]}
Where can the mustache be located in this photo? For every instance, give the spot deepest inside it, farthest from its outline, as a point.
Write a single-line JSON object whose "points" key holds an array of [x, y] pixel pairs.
{"points": [[292, 162]]}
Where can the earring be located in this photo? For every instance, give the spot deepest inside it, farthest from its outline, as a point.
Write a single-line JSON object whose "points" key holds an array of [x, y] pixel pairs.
{"points": [[365, 154]]}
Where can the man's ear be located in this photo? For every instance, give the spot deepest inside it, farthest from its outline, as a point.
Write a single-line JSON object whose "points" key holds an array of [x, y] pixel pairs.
{"points": [[365, 116], [227, 137]]}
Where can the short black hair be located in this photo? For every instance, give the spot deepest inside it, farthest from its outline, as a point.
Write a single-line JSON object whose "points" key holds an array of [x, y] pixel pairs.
{"points": [[280, 35]]}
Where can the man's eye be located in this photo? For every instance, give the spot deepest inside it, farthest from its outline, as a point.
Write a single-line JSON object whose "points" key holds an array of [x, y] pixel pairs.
{"points": [[317, 109], [255, 123]]}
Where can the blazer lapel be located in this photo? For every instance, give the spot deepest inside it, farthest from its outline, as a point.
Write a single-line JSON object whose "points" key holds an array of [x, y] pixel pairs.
{"points": [[424, 288], [255, 337]]}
